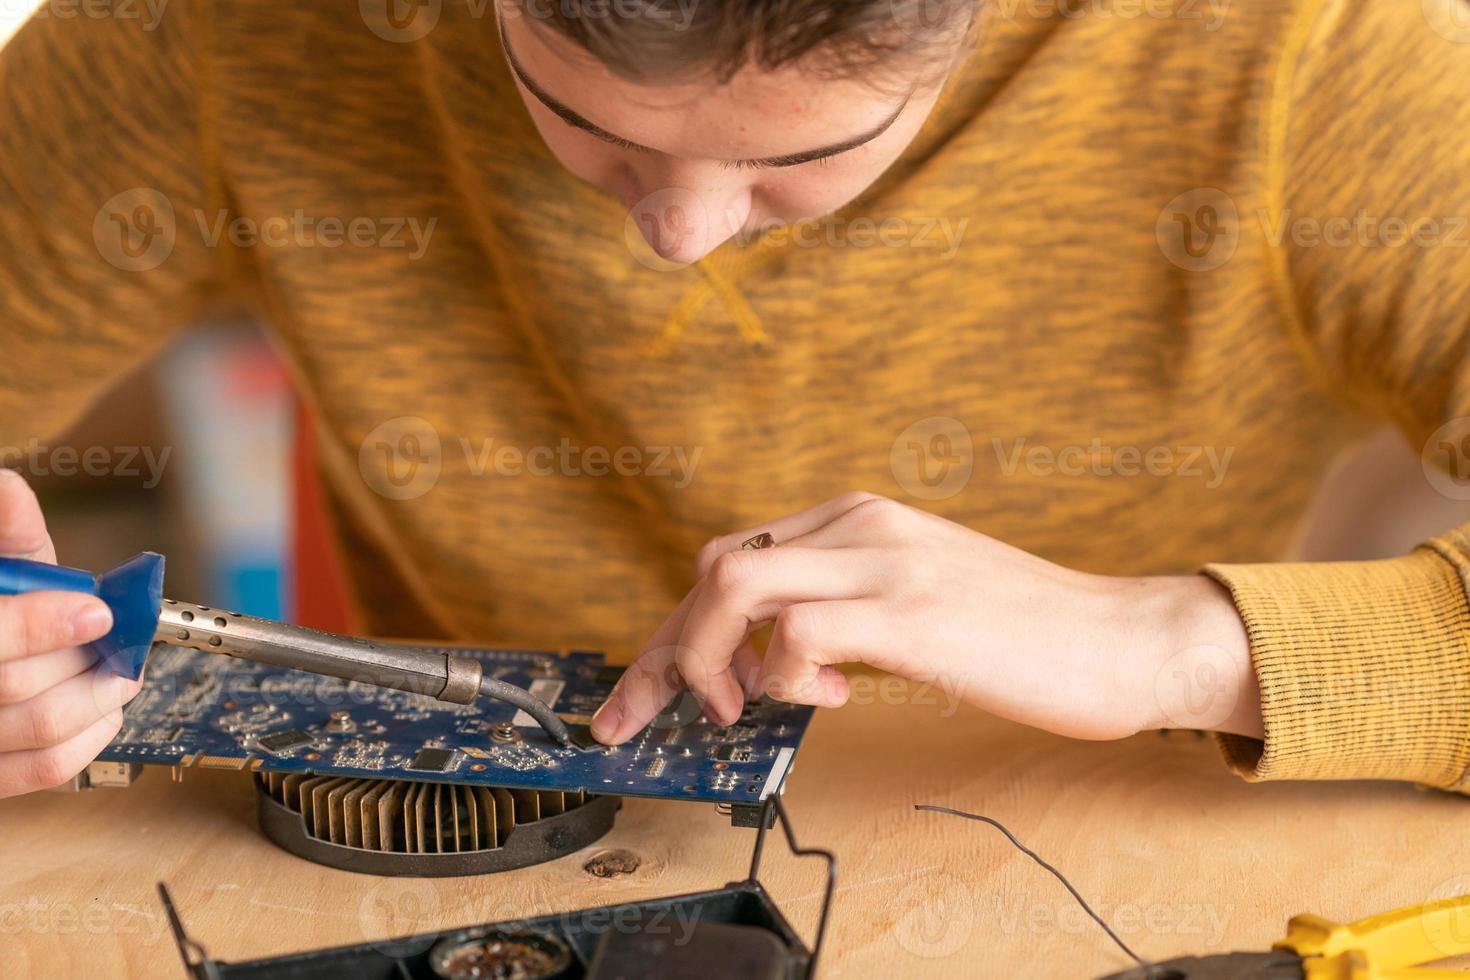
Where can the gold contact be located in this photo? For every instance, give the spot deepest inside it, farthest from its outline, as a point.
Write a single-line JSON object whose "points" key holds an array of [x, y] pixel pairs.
{"points": [[221, 761]]}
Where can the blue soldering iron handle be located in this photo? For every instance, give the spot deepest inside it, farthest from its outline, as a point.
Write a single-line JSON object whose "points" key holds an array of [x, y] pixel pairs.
{"points": [[132, 590]]}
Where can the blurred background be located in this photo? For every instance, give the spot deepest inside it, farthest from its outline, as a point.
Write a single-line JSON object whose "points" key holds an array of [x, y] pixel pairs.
{"points": [[232, 503], [210, 426], [200, 444]]}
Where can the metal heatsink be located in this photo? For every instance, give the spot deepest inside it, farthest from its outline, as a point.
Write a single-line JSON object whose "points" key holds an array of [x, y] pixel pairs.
{"points": [[402, 827]]}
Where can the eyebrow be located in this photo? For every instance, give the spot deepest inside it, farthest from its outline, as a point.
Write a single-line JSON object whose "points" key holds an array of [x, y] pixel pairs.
{"points": [[576, 119]]}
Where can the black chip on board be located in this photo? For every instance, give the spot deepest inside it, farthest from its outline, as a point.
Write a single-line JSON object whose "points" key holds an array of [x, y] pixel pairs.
{"points": [[581, 736], [730, 753], [285, 741], [435, 760]]}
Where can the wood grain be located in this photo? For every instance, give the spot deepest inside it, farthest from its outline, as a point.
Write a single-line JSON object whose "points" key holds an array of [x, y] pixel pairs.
{"points": [[1180, 856]]}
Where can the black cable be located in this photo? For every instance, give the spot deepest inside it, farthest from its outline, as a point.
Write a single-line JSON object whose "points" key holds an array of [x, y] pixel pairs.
{"points": [[1039, 860], [529, 703]]}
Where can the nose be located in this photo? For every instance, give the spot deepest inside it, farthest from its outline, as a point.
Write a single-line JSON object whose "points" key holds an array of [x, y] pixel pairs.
{"points": [[684, 218]]}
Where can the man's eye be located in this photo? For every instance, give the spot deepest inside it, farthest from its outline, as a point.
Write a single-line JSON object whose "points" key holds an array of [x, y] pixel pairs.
{"points": [[623, 144], [777, 162]]}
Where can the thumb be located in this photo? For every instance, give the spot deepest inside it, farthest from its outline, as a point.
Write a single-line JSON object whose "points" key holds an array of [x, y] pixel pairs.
{"points": [[22, 526]]}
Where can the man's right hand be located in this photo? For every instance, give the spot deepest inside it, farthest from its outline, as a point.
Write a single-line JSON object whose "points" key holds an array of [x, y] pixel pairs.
{"points": [[58, 706]]}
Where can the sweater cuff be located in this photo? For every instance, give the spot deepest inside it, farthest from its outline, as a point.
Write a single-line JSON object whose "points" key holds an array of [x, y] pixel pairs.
{"points": [[1364, 667]]}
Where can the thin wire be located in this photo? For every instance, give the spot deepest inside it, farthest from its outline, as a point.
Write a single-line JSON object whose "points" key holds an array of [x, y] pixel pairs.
{"points": [[491, 687], [1041, 861]]}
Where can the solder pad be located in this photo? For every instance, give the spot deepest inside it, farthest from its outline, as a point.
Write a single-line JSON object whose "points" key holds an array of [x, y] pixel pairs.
{"points": [[207, 709]]}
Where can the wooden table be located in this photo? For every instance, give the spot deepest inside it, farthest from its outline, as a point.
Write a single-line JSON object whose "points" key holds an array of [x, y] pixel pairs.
{"points": [[1179, 855]]}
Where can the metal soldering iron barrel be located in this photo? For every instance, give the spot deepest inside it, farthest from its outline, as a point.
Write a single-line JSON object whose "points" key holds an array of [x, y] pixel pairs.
{"points": [[436, 674]]}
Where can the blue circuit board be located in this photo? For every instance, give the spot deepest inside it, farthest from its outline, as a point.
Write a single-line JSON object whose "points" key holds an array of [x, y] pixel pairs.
{"points": [[214, 711]]}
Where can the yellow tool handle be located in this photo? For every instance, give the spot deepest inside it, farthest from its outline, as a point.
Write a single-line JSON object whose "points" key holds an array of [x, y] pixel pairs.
{"points": [[1389, 946]]}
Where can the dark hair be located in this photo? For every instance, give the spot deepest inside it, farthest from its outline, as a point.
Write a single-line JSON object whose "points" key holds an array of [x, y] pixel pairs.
{"points": [[677, 40]]}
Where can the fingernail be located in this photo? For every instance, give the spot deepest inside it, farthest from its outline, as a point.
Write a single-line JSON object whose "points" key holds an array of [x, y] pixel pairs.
{"points": [[90, 622], [605, 721]]}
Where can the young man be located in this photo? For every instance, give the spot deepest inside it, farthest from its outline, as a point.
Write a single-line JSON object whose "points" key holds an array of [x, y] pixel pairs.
{"points": [[578, 290]]}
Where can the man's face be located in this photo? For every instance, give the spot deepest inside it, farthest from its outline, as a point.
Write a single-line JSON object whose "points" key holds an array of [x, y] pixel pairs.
{"points": [[698, 163]]}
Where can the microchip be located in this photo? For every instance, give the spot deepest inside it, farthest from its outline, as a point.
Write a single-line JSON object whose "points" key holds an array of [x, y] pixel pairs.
{"points": [[283, 742], [608, 675], [581, 736], [730, 753], [436, 760]]}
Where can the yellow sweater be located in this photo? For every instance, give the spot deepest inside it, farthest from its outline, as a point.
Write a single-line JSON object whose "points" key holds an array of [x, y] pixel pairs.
{"points": [[1097, 263]]}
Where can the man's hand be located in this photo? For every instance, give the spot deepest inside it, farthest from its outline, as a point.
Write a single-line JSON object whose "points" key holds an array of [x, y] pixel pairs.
{"points": [[865, 579], [58, 708]]}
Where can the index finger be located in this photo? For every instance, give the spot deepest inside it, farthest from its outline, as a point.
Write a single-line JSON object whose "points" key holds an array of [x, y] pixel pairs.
{"points": [[744, 590], [783, 529], [648, 684]]}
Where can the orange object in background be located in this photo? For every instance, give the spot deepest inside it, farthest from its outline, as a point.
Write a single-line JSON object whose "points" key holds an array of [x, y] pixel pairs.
{"points": [[319, 586]]}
